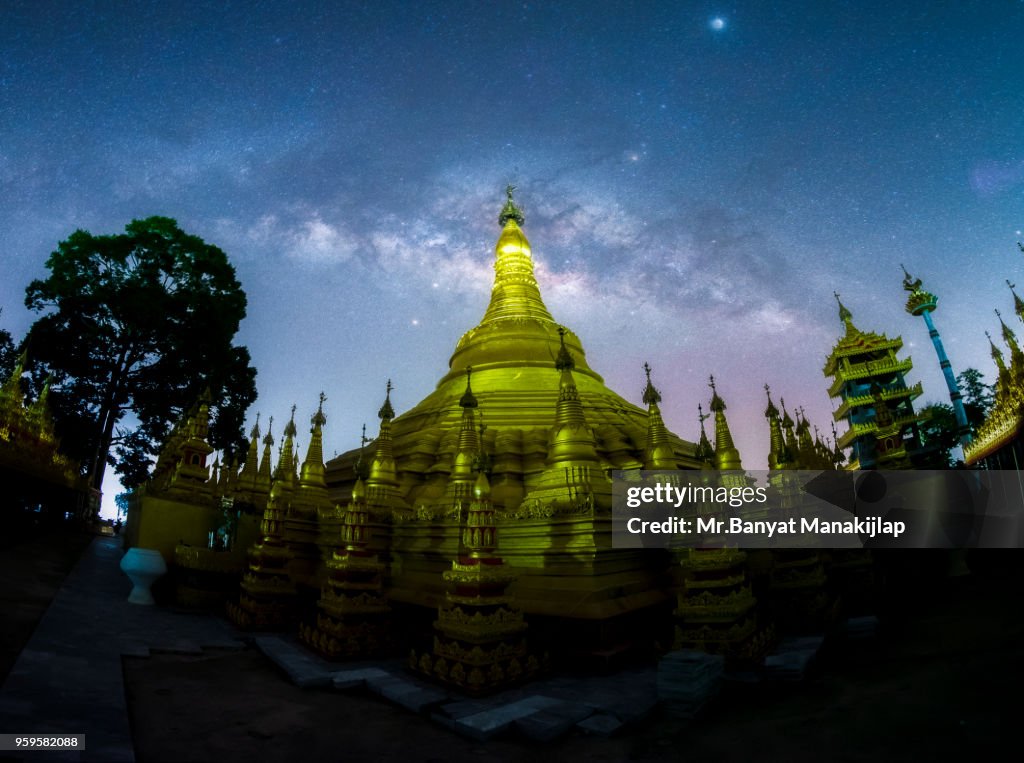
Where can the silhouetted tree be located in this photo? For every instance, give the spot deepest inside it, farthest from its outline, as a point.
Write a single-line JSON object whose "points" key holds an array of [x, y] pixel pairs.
{"points": [[977, 396], [134, 327], [939, 432], [8, 353]]}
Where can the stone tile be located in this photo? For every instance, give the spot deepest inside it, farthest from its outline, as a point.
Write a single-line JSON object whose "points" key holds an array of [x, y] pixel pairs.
{"points": [[489, 723], [632, 710], [355, 679], [466, 707], [420, 700], [544, 726], [601, 725], [303, 669]]}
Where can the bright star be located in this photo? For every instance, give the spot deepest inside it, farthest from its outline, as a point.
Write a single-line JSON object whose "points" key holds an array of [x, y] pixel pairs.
{"points": [[717, 23]]}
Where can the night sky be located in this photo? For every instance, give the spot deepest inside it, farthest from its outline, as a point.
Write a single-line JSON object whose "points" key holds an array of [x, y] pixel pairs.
{"points": [[697, 179]]}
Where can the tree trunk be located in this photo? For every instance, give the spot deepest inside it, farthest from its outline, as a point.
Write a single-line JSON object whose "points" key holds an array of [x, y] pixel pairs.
{"points": [[107, 420]]}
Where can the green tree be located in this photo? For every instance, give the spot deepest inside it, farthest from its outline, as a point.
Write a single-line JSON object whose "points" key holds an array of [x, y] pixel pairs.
{"points": [[977, 396], [939, 433], [134, 327], [8, 353]]}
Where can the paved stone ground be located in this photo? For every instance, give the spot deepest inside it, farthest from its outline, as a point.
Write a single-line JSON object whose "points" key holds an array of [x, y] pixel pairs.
{"points": [[68, 679], [542, 710]]}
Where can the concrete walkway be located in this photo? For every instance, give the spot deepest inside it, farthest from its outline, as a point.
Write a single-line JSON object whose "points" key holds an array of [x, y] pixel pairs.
{"points": [[68, 679]]}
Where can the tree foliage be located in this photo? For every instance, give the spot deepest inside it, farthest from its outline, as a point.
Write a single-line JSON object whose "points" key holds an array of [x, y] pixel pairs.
{"points": [[977, 396], [8, 353], [134, 327], [939, 432]]}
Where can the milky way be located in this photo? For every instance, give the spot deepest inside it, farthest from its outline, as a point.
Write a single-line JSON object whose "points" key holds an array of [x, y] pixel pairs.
{"points": [[706, 187]]}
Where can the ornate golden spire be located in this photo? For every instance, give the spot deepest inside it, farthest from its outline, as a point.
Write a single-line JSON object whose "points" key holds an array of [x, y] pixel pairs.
{"points": [[1016, 357], [777, 455], [312, 475], [658, 453], [469, 442], [510, 211], [361, 469], [727, 457], [386, 411], [846, 317], [247, 478], [997, 354], [1018, 303], [383, 474], [703, 451], [571, 439], [284, 474], [263, 477], [515, 293]]}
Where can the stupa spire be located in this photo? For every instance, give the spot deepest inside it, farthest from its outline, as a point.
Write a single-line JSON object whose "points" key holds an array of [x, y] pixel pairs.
{"points": [[572, 440], [469, 441], [515, 293], [284, 471], [703, 451], [265, 470], [1018, 303], [846, 316], [383, 477], [247, 478], [658, 453], [777, 455], [997, 354], [312, 475], [1008, 336], [727, 457]]}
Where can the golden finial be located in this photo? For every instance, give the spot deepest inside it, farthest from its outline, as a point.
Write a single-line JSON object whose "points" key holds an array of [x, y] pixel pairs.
{"points": [[771, 411], [289, 428], [269, 439], [319, 419], [704, 451], [386, 411], [844, 315], [909, 282], [255, 432], [468, 399], [564, 361], [717, 404], [361, 470], [651, 395], [786, 420], [510, 211]]}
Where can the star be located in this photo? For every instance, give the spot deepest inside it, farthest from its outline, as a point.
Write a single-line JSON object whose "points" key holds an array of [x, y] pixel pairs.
{"points": [[717, 23]]}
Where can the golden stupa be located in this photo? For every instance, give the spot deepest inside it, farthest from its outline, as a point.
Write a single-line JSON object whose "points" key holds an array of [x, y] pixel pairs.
{"points": [[549, 435]]}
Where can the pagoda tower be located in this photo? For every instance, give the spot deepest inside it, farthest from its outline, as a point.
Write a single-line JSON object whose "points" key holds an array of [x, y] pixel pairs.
{"points": [[553, 436], [876, 402], [998, 444], [921, 302], [480, 635], [715, 609], [353, 612], [796, 577], [267, 599]]}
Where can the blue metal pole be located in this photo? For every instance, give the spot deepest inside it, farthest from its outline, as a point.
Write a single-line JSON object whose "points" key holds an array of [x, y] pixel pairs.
{"points": [[947, 370]]}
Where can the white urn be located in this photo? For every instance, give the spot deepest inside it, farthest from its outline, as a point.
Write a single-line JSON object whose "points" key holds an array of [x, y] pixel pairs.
{"points": [[142, 566]]}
